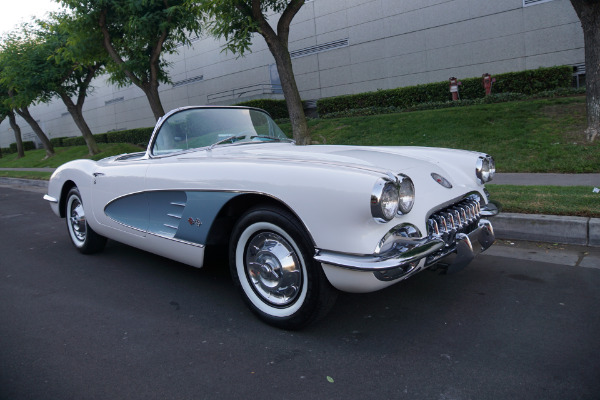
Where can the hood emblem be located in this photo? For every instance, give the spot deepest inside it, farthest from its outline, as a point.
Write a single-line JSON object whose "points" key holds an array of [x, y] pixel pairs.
{"points": [[441, 180]]}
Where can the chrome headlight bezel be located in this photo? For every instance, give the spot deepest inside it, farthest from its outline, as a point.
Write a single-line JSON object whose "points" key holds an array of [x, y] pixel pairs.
{"points": [[384, 191], [407, 194], [485, 168], [392, 196]]}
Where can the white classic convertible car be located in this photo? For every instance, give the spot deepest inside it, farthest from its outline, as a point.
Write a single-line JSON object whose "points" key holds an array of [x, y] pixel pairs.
{"points": [[300, 221]]}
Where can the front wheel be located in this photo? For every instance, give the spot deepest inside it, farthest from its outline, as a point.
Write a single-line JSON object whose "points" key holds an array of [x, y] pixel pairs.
{"points": [[82, 235], [271, 261]]}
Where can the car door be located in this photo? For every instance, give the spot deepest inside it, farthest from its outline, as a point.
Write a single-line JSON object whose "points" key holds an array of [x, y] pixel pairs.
{"points": [[119, 201]]}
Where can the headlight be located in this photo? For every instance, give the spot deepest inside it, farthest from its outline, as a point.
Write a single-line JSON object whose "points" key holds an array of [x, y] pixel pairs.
{"points": [[407, 194], [384, 200], [485, 168], [392, 197]]}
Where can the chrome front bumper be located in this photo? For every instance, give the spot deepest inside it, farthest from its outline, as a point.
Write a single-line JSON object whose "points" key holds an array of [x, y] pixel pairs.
{"points": [[406, 254]]}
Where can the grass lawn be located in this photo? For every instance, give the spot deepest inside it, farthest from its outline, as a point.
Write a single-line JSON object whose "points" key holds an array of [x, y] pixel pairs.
{"points": [[553, 200], [523, 136], [35, 158]]}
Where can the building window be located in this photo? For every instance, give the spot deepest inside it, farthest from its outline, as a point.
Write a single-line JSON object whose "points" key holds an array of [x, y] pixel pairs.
{"points": [[319, 48], [115, 100], [527, 3], [275, 81], [579, 75], [188, 81]]}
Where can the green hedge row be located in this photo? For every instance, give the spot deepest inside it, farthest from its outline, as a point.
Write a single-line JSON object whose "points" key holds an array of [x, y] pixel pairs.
{"points": [[137, 136], [27, 145], [276, 108], [526, 82]]}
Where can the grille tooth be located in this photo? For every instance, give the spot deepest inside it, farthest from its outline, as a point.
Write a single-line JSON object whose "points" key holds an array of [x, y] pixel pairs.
{"points": [[461, 217], [433, 226]]}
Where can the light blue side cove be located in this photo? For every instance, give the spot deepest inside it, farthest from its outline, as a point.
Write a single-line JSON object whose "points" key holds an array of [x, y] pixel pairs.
{"points": [[173, 214], [202, 206], [130, 210]]}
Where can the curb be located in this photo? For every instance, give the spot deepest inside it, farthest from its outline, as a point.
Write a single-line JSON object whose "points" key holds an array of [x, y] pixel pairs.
{"points": [[23, 182], [512, 226], [547, 228]]}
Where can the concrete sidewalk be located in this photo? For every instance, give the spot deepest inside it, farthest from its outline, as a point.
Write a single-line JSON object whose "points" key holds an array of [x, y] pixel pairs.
{"points": [[528, 179], [532, 227]]}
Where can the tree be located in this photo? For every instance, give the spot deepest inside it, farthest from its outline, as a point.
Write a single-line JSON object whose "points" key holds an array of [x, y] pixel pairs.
{"points": [[20, 72], [238, 20], [588, 12], [5, 111], [136, 34], [73, 58]]}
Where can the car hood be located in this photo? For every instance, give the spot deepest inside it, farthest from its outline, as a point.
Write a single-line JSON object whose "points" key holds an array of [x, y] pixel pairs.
{"points": [[398, 159]]}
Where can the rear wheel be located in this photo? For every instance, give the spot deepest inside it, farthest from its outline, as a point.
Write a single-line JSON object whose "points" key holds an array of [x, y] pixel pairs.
{"points": [[271, 262], [82, 235]]}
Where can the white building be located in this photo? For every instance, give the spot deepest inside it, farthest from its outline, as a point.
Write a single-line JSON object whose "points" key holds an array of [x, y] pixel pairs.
{"points": [[342, 47]]}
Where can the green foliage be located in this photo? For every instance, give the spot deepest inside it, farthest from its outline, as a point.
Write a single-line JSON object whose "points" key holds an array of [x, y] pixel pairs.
{"points": [[430, 105], [73, 141], [276, 108], [233, 20], [74, 55], [524, 82], [140, 33], [23, 71], [28, 145], [138, 136], [58, 142], [101, 138]]}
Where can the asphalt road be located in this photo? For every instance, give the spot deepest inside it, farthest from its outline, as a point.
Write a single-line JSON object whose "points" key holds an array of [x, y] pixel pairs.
{"points": [[126, 324]]}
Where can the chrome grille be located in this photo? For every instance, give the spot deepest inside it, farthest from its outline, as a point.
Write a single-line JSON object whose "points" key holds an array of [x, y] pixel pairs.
{"points": [[461, 217]]}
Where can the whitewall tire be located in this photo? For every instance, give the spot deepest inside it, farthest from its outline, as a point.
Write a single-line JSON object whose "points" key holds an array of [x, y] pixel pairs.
{"points": [[271, 262], [81, 234]]}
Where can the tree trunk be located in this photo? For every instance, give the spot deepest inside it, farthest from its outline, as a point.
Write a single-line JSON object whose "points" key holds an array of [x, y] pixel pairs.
{"points": [[24, 113], [77, 114], [17, 130], [290, 92], [588, 12], [149, 85], [153, 97]]}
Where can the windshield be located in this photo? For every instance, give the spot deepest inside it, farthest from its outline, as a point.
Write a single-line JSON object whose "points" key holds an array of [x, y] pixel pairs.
{"points": [[201, 127]]}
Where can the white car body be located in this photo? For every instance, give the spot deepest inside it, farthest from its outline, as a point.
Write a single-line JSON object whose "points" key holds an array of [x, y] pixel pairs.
{"points": [[327, 188]]}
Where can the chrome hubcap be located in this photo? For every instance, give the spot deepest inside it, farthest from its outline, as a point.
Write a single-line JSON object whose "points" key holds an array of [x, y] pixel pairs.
{"points": [[77, 220], [273, 268]]}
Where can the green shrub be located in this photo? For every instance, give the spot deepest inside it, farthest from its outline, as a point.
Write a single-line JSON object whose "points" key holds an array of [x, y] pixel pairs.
{"points": [[276, 108], [430, 105], [6, 150], [523, 82], [27, 145], [101, 138], [74, 141], [132, 136], [58, 142]]}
